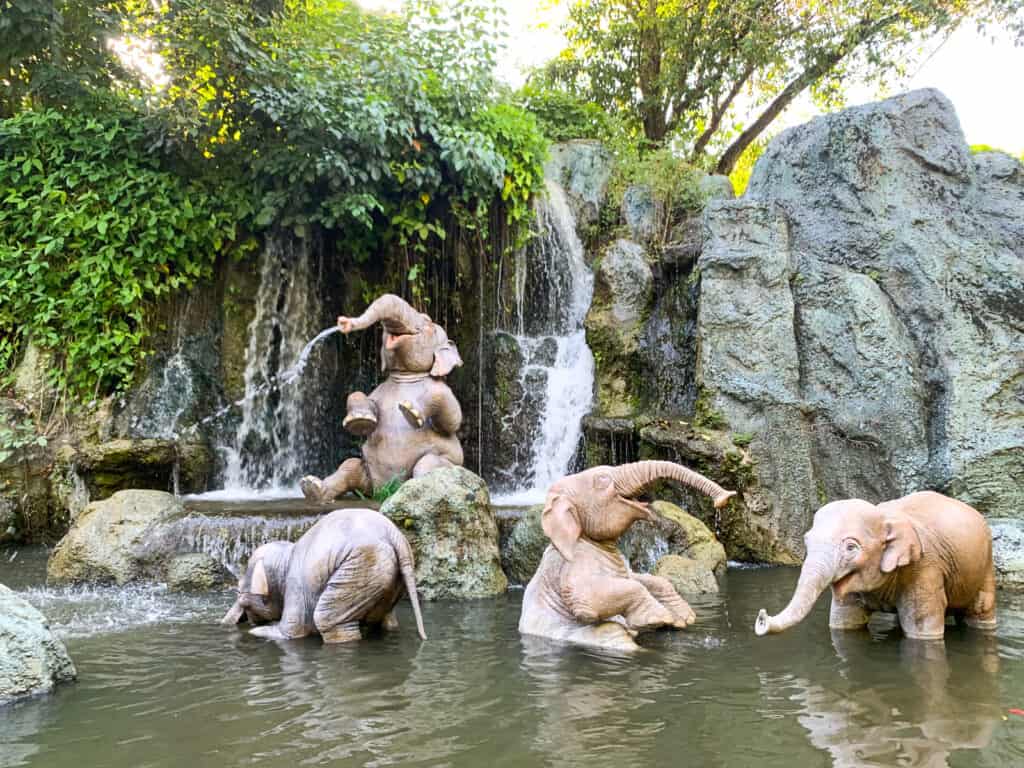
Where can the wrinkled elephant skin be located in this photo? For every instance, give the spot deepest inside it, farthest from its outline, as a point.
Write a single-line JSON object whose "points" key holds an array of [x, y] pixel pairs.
{"points": [[924, 556], [347, 571], [584, 592], [412, 419]]}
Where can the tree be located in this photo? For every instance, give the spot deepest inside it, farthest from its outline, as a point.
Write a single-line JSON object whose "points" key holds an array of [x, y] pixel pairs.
{"points": [[689, 69]]}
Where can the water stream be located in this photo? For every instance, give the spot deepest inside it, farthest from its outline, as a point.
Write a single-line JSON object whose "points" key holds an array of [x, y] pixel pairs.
{"points": [[554, 287], [161, 684]]}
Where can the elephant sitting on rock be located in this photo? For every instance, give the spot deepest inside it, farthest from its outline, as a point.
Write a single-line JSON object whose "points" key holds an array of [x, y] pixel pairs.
{"points": [[583, 591], [347, 571], [411, 420], [924, 556]]}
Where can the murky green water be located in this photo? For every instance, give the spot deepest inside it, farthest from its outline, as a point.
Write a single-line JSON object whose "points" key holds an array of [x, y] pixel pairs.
{"points": [[161, 684]]}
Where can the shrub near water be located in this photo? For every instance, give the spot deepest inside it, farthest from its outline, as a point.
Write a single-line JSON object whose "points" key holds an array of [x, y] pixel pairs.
{"points": [[92, 230]]}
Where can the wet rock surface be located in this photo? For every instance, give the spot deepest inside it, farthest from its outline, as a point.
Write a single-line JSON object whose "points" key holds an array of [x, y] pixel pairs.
{"points": [[861, 315], [688, 576], [645, 544], [447, 516], [195, 572], [523, 546], [32, 659], [584, 169]]}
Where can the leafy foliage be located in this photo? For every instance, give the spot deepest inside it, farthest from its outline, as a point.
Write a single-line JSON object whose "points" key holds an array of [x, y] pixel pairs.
{"points": [[674, 183], [92, 230], [714, 75]]}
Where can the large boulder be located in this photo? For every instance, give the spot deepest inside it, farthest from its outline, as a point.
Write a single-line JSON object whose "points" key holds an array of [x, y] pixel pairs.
{"points": [[688, 576], [623, 291], [523, 547], [675, 533], [862, 316], [1008, 552], [447, 516], [32, 659], [583, 168], [108, 540]]}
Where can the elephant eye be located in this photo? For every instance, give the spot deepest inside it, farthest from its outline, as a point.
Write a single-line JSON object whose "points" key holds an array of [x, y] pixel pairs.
{"points": [[851, 546]]}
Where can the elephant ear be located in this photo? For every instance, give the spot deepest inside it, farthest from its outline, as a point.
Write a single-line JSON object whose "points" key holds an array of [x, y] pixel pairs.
{"points": [[258, 584], [561, 524], [446, 357], [902, 544]]}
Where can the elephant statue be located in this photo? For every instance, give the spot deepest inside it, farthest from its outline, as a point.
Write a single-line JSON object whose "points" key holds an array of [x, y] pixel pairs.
{"points": [[348, 570], [411, 420], [924, 556], [583, 591]]}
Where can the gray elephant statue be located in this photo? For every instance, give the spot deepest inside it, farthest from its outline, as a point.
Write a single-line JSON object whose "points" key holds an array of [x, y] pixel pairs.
{"points": [[924, 556], [411, 420], [583, 591], [347, 571]]}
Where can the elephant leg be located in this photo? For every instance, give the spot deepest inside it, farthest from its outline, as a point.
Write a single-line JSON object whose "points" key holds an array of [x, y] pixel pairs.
{"points": [[361, 414], [390, 622], [598, 599], [982, 613], [443, 410], [922, 609], [362, 582], [847, 613], [428, 463], [663, 591], [350, 476]]}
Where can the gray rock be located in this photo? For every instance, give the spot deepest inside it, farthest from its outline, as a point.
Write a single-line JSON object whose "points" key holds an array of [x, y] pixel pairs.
{"points": [[523, 548], [643, 214], [1008, 551], [676, 533], [195, 572], [623, 291], [714, 187], [448, 518], [32, 659], [107, 541], [862, 313], [583, 168], [688, 576]]}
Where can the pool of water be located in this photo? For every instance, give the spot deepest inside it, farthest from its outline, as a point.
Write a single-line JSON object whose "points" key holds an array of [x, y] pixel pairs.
{"points": [[162, 684]]}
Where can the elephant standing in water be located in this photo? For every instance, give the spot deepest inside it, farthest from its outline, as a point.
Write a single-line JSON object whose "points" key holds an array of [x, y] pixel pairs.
{"points": [[924, 555], [583, 591], [346, 571], [411, 420]]}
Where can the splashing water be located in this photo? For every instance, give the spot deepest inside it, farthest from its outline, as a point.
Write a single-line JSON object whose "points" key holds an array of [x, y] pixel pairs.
{"points": [[554, 287]]}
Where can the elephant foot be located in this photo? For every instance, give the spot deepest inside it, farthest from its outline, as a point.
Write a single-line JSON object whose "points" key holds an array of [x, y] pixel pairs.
{"points": [[683, 614], [390, 622], [413, 416], [360, 423], [343, 633], [984, 624], [312, 488], [651, 616]]}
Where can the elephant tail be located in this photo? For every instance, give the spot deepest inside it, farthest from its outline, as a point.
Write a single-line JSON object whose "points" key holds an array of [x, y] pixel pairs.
{"points": [[408, 568]]}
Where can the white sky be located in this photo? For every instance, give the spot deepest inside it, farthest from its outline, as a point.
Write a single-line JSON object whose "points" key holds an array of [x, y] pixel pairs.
{"points": [[981, 77]]}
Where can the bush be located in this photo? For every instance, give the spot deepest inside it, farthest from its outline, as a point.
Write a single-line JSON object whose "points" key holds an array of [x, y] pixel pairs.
{"points": [[92, 231]]}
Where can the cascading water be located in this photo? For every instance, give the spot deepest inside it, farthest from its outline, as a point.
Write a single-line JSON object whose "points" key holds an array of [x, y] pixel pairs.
{"points": [[276, 440], [554, 287]]}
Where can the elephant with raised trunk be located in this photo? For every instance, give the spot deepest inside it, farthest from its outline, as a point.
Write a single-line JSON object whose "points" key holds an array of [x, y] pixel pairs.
{"points": [[924, 556], [583, 591], [346, 572], [411, 420]]}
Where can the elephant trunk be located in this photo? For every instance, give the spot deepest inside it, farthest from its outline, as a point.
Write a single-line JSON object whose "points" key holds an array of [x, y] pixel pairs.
{"points": [[408, 569], [394, 312], [815, 575], [234, 614], [631, 479]]}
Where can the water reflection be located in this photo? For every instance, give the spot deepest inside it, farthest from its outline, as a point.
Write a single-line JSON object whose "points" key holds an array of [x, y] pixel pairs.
{"points": [[898, 701]]}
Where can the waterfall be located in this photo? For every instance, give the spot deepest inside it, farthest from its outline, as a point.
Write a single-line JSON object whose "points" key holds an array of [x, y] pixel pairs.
{"points": [[276, 440], [553, 290]]}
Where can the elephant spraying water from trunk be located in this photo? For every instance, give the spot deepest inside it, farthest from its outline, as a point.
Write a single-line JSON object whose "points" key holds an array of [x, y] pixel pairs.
{"points": [[583, 591], [924, 555], [412, 419]]}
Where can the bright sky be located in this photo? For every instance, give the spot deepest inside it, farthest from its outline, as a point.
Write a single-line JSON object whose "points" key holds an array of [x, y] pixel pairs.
{"points": [[981, 77]]}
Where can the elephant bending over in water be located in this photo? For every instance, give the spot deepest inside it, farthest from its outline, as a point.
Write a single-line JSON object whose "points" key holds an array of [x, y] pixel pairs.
{"points": [[924, 556], [348, 569], [583, 591], [411, 420]]}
